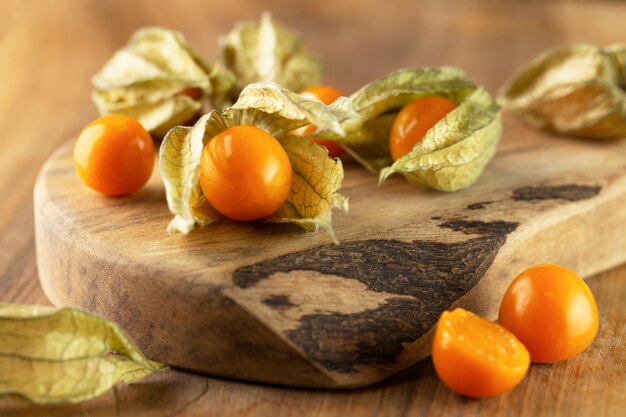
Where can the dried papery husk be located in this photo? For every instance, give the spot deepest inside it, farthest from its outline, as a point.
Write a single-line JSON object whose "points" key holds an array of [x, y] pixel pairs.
{"points": [[574, 90]]}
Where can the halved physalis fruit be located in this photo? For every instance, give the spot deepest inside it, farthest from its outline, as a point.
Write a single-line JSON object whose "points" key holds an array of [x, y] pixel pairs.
{"points": [[476, 357]]}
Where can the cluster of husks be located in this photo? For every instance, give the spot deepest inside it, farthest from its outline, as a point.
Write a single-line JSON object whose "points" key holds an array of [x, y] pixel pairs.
{"points": [[165, 84]]}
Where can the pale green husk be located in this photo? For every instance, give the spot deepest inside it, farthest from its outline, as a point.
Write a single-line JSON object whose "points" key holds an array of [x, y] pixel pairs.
{"points": [[145, 80], [276, 110], [266, 51], [453, 153], [146, 77], [574, 90], [50, 355]]}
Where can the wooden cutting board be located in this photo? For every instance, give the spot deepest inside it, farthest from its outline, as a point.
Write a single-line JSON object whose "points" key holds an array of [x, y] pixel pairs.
{"points": [[275, 304]]}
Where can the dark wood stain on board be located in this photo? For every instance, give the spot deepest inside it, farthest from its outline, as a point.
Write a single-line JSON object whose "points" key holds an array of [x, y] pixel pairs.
{"points": [[480, 205], [569, 192], [427, 276], [341, 342], [278, 302], [476, 227]]}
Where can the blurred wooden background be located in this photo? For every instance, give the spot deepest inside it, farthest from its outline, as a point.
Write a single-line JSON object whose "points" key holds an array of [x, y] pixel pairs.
{"points": [[50, 49]]}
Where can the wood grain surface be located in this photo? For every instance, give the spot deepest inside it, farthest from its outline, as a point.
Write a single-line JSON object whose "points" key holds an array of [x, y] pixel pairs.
{"points": [[311, 313], [49, 50]]}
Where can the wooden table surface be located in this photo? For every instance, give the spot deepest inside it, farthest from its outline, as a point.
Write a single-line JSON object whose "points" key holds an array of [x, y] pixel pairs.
{"points": [[48, 52]]}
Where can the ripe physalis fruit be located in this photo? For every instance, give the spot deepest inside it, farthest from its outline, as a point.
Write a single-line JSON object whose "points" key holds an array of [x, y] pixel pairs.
{"points": [[552, 311], [326, 95], [245, 173], [414, 120], [243, 163], [114, 155], [476, 357]]}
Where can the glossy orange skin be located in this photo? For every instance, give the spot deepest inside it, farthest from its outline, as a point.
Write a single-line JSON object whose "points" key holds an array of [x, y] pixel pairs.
{"points": [[476, 357], [326, 95], [552, 311], [245, 173], [114, 155], [414, 120]]}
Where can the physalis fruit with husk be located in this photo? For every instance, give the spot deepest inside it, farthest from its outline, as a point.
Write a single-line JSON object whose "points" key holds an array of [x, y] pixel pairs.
{"points": [[158, 79], [161, 81], [315, 179], [451, 155], [575, 90]]}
